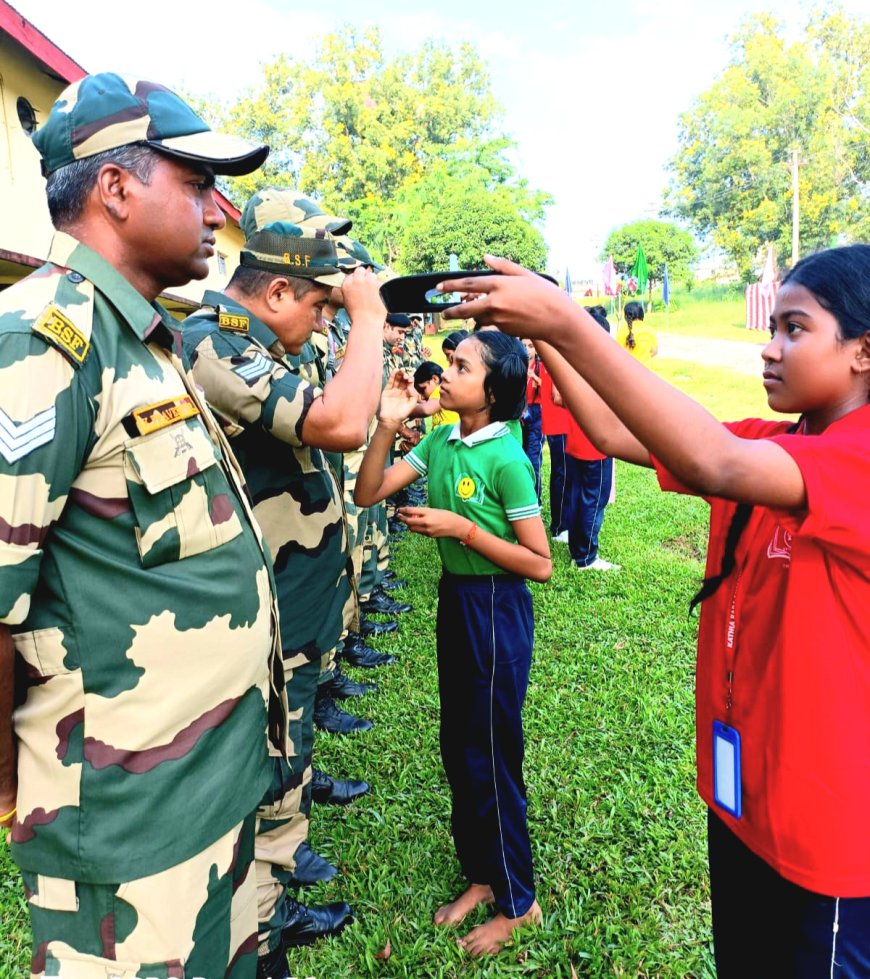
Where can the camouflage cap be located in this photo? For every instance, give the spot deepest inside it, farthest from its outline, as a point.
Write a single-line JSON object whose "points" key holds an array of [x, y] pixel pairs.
{"points": [[286, 204], [352, 255], [105, 111], [287, 249]]}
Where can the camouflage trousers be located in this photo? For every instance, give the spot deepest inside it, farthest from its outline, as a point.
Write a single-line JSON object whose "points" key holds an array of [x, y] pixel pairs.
{"points": [[376, 551], [283, 816], [197, 920]]}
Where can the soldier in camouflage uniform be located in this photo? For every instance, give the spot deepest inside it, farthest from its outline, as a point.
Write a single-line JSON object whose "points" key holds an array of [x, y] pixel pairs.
{"points": [[279, 423], [312, 364], [136, 597]]}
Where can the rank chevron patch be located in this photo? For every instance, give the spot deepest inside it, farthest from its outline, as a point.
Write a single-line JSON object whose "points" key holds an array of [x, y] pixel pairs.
{"points": [[254, 368], [18, 439]]}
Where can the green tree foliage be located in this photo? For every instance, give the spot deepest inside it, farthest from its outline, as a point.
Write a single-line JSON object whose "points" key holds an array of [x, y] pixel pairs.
{"points": [[379, 139], [470, 220], [732, 176], [662, 243]]}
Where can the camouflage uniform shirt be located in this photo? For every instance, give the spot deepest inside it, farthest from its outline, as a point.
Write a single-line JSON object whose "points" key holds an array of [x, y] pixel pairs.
{"points": [[296, 498], [133, 579]]}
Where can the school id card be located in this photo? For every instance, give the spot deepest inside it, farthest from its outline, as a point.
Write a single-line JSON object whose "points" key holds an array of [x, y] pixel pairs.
{"points": [[726, 769]]}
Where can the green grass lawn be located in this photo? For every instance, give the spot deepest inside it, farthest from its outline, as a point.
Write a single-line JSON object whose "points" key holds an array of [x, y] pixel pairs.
{"points": [[617, 828]]}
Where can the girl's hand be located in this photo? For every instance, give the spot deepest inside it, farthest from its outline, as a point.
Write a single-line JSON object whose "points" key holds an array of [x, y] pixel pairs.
{"points": [[434, 523], [517, 301], [398, 398]]}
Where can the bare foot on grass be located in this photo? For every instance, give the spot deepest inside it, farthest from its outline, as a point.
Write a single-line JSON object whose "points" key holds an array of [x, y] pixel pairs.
{"points": [[456, 911], [488, 939]]}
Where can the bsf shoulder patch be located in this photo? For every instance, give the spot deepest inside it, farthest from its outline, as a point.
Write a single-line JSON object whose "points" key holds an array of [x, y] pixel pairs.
{"points": [[234, 322], [61, 332]]}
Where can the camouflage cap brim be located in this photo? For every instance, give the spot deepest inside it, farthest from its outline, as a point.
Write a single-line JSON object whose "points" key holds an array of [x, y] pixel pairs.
{"points": [[107, 111], [225, 154], [295, 255], [285, 204], [352, 255]]}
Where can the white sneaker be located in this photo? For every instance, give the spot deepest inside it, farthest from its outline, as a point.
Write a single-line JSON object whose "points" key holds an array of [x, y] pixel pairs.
{"points": [[561, 538], [598, 565]]}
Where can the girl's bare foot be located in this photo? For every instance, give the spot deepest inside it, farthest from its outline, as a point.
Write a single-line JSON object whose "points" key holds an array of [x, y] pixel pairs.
{"points": [[488, 939], [456, 911]]}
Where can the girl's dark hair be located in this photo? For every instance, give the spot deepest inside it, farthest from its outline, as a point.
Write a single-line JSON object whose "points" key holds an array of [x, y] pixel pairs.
{"points": [[632, 311], [426, 371], [507, 365], [452, 340], [598, 313], [839, 278], [735, 530]]}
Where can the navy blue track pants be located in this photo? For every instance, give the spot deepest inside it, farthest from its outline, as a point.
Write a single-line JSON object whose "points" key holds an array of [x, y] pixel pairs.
{"points": [[485, 633]]}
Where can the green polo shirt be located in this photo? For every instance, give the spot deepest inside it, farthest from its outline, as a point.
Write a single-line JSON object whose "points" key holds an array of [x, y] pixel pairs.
{"points": [[486, 477], [135, 582]]}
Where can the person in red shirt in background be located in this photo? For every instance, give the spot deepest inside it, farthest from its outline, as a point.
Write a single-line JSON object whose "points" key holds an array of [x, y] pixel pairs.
{"points": [[783, 669], [555, 422], [533, 439], [591, 478]]}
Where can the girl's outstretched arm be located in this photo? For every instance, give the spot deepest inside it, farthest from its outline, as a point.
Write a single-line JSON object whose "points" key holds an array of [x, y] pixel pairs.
{"points": [[698, 449], [374, 483], [529, 556], [600, 425]]}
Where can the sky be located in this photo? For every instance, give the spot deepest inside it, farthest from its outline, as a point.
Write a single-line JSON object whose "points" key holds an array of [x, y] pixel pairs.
{"points": [[590, 92]]}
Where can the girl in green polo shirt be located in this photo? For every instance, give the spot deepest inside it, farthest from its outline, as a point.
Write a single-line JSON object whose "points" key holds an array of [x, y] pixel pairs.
{"points": [[485, 516]]}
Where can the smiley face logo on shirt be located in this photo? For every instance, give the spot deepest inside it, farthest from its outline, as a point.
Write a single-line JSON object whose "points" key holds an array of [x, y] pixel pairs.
{"points": [[465, 487]]}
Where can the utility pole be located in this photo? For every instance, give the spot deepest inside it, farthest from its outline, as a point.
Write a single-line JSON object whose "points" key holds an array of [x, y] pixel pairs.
{"points": [[795, 207]]}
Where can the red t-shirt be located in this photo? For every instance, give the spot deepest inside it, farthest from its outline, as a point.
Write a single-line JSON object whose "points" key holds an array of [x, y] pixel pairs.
{"points": [[533, 389], [798, 645], [554, 418], [578, 445]]}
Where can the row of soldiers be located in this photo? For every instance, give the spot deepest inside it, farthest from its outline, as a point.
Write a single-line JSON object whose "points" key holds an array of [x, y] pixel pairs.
{"points": [[182, 569]]}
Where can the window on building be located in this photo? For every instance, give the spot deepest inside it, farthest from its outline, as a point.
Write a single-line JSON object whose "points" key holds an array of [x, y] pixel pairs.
{"points": [[26, 115], [221, 263]]}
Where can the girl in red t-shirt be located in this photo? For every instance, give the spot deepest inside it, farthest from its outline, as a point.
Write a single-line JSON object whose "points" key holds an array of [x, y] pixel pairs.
{"points": [[783, 674]]}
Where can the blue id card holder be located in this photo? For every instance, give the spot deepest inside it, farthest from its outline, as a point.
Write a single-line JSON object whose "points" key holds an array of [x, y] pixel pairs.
{"points": [[726, 768]]}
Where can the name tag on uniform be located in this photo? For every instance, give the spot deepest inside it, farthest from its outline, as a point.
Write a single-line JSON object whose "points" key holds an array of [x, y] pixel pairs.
{"points": [[154, 417], [726, 769]]}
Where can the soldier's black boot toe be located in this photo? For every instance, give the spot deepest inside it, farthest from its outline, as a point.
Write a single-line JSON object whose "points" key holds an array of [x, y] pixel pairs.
{"points": [[342, 687], [305, 925], [357, 653], [273, 965], [311, 867], [336, 791], [381, 603], [328, 716], [369, 628]]}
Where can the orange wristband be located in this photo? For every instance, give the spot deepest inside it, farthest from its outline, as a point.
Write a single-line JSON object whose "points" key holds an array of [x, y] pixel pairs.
{"points": [[469, 537]]}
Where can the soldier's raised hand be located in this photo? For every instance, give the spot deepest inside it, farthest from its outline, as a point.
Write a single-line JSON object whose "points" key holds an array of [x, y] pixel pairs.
{"points": [[362, 299]]}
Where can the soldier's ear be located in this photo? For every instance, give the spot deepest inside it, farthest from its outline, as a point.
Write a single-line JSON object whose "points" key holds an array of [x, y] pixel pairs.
{"points": [[113, 190], [277, 292]]}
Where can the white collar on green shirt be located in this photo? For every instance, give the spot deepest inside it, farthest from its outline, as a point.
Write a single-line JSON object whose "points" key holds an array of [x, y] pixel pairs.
{"points": [[493, 430]]}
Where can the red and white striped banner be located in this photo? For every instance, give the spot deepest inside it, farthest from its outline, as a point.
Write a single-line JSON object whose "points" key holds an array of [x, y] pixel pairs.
{"points": [[759, 305]]}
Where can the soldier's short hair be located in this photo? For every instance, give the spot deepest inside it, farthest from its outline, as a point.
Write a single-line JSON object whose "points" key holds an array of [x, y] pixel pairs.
{"points": [[68, 187], [254, 282]]}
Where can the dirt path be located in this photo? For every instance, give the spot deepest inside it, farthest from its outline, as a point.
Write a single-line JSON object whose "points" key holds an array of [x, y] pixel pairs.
{"points": [[741, 356]]}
